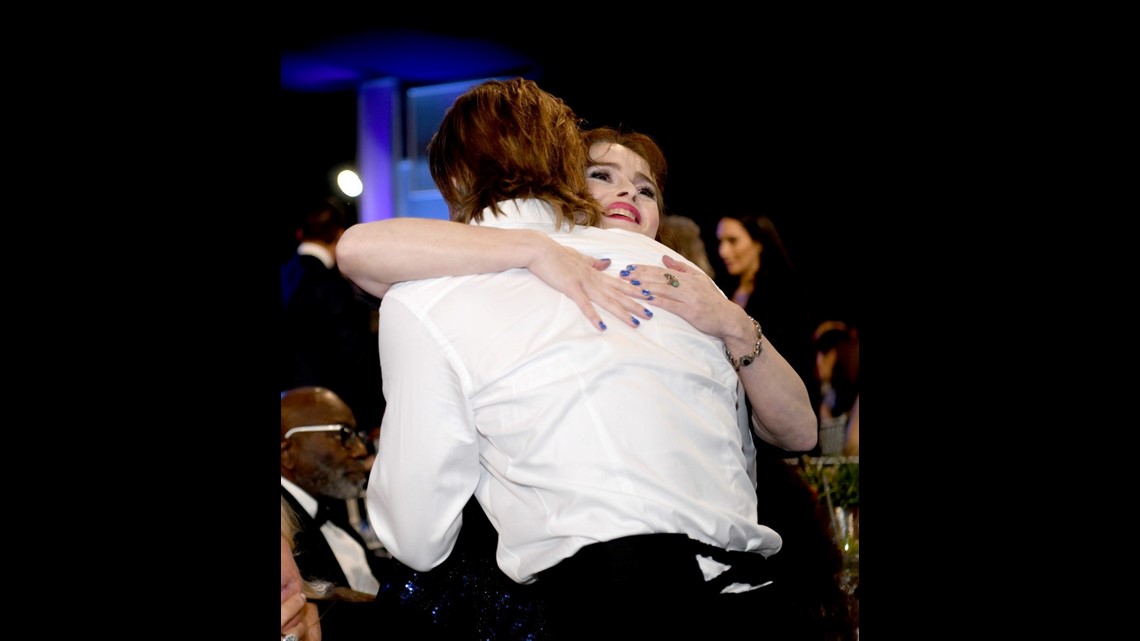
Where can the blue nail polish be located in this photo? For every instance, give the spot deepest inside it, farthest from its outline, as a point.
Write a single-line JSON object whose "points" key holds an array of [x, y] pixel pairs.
{"points": [[605, 259], [649, 313], [635, 321], [634, 282], [630, 267], [624, 273], [645, 292], [602, 324]]}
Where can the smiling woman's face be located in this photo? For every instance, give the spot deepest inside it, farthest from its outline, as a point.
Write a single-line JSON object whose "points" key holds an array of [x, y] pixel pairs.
{"points": [[621, 181], [740, 252]]}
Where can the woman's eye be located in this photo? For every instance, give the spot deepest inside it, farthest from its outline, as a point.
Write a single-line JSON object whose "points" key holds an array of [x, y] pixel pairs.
{"points": [[599, 174], [648, 192]]}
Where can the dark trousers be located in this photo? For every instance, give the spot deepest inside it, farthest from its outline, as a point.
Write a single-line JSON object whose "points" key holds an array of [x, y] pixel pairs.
{"points": [[651, 586]]}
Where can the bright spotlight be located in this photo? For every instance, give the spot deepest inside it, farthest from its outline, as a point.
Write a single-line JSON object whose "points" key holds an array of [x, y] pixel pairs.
{"points": [[349, 183]]}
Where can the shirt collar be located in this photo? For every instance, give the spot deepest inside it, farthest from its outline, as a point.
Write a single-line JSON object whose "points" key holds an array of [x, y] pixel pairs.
{"points": [[307, 501], [309, 248], [530, 211]]}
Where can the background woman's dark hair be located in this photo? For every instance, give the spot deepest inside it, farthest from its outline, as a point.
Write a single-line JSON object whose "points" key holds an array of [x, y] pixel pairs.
{"points": [[775, 258], [777, 295]]}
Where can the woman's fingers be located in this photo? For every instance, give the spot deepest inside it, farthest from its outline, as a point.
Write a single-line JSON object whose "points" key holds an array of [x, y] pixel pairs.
{"points": [[308, 627], [676, 265], [651, 282], [582, 279], [616, 297], [691, 294], [292, 610]]}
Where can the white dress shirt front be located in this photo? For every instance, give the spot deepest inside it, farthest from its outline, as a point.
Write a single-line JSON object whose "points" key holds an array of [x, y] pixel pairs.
{"points": [[498, 386]]}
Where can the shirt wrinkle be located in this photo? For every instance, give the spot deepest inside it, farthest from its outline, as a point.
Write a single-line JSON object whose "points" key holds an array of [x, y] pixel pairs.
{"points": [[569, 435]]}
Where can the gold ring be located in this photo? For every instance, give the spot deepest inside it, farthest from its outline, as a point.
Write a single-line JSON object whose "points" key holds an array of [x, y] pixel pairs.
{"points": [[672, 280]]}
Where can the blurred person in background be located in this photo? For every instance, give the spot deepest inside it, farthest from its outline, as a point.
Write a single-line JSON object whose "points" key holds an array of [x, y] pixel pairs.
{"points": [[298, 617], [314, 608], [759, 276], [329, 326], [324, 462], [682, 234], [837, 368]]}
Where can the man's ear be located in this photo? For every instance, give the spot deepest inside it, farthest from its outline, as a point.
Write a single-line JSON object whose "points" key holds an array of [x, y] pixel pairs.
{"points": [[286, 455]]}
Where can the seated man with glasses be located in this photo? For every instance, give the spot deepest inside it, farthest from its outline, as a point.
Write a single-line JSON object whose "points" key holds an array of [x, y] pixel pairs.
{"points": [[325, 462]]}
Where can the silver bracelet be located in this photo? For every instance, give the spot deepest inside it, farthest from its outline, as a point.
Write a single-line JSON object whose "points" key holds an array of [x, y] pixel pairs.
{"points": [[747, 359]]}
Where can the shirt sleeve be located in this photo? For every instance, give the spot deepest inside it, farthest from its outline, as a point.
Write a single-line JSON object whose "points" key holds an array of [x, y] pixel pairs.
{"points": [[427, 462]]}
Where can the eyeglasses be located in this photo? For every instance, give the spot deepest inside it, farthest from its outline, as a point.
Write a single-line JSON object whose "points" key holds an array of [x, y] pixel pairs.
{"points": [[348, 436]]}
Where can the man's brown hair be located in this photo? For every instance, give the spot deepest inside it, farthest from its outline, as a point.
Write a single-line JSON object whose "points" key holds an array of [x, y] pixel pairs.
{"points": [[509, 139]]}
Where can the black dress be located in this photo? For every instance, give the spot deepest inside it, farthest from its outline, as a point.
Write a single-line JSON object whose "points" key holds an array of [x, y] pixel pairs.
{"points": [[467, 596]]}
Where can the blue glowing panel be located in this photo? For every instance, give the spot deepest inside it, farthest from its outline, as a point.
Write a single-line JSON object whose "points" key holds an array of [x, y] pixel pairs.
{"points": [[413, 57], [377, 147]]}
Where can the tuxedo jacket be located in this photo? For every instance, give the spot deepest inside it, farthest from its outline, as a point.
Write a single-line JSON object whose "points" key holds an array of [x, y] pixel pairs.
{"points": [[341, 619], [328, 338], [315, 558]]}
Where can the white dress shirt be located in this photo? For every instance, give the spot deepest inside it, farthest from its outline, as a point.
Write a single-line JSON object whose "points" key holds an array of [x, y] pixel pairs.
{"points": [[567, 435], [349, 553]]}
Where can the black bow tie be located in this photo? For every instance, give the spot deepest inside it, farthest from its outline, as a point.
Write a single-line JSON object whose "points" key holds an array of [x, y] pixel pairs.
{"points": [[334, 511], [325, 512]]}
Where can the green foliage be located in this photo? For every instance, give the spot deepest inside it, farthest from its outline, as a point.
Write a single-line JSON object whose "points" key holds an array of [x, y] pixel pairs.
{"points": [[834, 479]]}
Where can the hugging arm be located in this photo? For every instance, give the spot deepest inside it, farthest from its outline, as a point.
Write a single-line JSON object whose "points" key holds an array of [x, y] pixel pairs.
{"points": [[377, 255], [781, 409]]}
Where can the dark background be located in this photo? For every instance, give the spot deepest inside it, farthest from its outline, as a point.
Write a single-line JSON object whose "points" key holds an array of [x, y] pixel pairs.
{"points": [[802, 130], [876, 140]]}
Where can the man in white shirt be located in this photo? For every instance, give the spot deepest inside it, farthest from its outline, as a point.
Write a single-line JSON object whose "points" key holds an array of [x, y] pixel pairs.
{"points": [[612, 463]]}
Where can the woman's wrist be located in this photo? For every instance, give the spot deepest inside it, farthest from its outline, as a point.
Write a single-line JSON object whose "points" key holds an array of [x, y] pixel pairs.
{"points": [[746, 351], [743, 335], [535, 244]]}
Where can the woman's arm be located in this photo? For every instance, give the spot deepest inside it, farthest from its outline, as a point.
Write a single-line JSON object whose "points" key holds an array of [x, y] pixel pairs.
{"points": [[781, 408], [379, 254]]}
